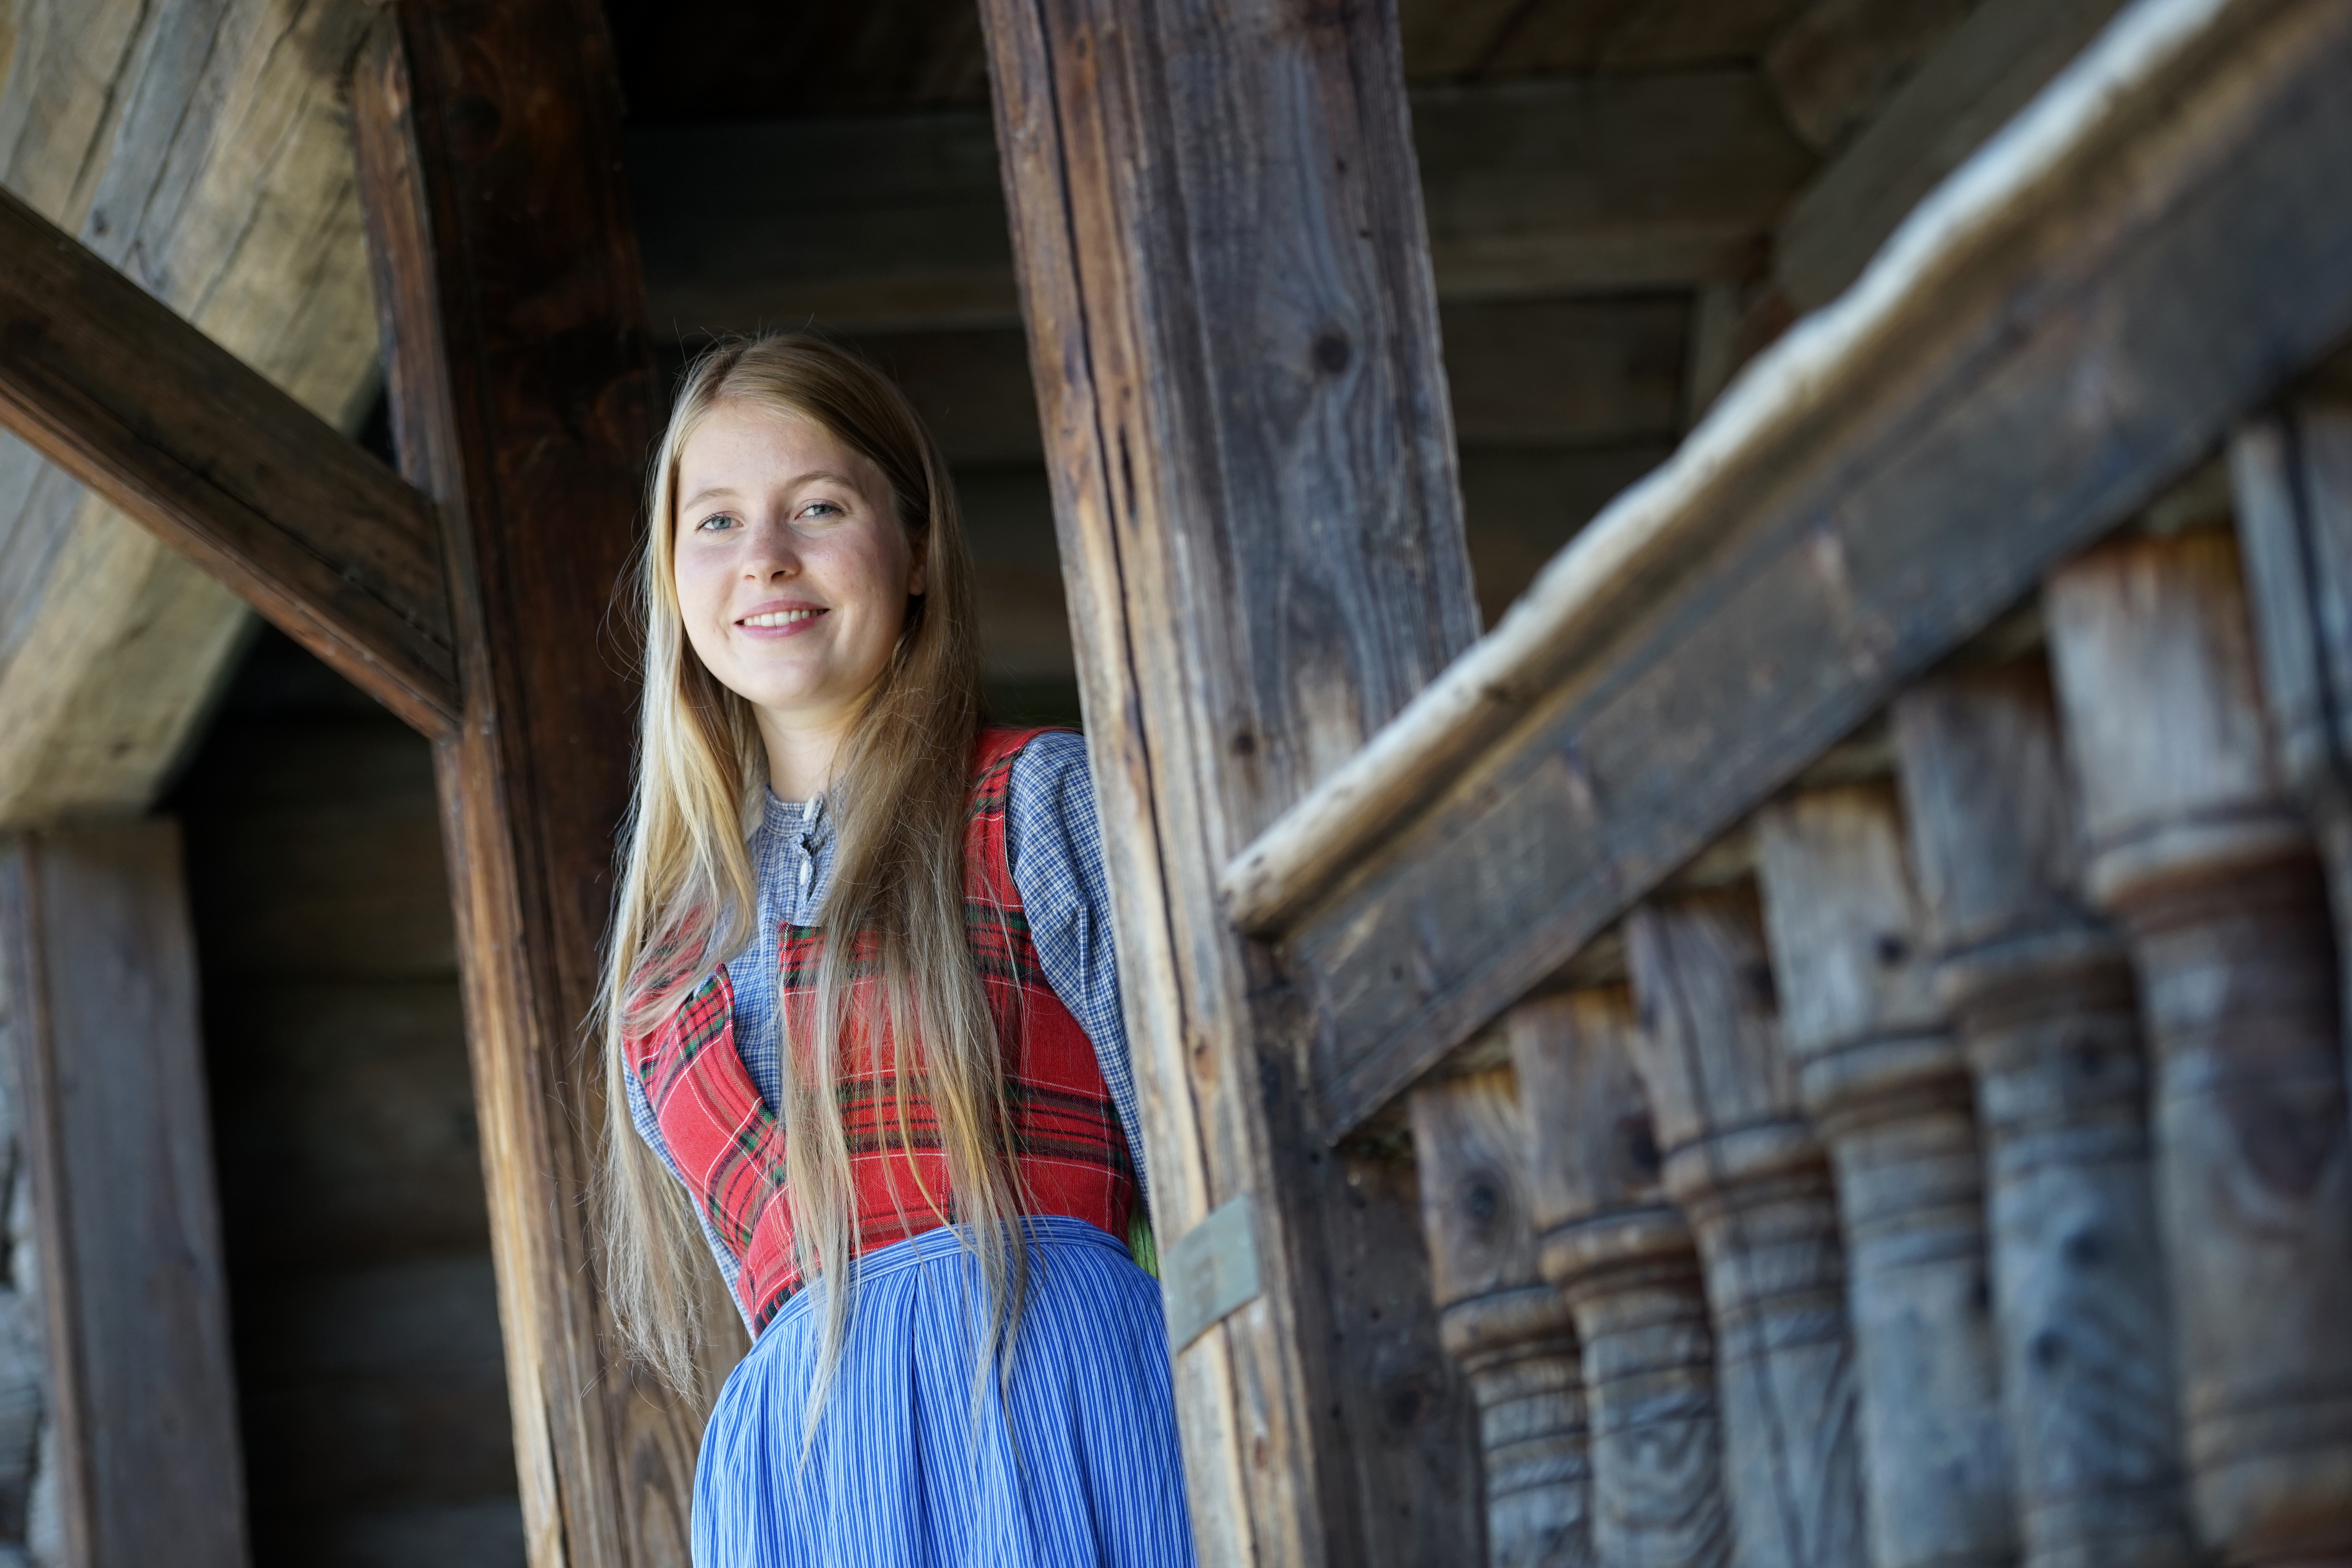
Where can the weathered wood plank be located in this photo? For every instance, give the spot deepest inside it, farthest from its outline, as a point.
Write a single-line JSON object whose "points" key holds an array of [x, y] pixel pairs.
{"points": [[1601, 182], [1523, 373], [1538, 188], [1894, 476], [98, 979], [109, 384], [1253, 481], [1509, 1330], [2291, 474], [199, 147], [1622, 1255], [2040, 991], [1881, 1075], [2199, 855], [1743, 1163], [523, 402]]}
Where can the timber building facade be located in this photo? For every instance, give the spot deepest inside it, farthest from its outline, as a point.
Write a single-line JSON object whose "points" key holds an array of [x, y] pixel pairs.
{"points": [[1714, 635]]}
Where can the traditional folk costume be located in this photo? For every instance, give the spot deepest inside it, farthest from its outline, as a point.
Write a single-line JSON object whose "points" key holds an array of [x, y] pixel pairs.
{"points": [[1072, 1460]]}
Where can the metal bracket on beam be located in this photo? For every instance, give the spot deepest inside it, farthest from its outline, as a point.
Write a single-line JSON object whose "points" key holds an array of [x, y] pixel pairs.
{"points": [[1211, 1271]]}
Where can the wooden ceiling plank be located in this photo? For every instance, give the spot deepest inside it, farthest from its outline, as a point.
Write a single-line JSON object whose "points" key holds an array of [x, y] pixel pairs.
{"points": [[1982, 71], [113, 387], [1892, 477], [1532, 189], [1835, 65], [1447, 39]]}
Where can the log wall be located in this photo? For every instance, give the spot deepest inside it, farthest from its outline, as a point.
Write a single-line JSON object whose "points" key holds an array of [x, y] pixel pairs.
{"points": [[369, 1377]]}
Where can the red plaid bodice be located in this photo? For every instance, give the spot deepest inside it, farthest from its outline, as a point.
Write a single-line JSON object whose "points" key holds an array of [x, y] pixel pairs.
{"points": [[1070, 1153]]}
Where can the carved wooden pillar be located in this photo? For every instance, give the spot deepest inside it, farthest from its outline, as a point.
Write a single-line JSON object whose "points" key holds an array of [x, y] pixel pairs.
{"points": [[2195, 851], [2291, 473], [1747, 1168], [1621, 1254], [1879, 1072], [2040, 991], [1510, 1331]]}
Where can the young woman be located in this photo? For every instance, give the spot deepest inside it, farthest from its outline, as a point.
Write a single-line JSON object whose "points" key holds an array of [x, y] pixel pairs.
{"points": [[862, 1007]]}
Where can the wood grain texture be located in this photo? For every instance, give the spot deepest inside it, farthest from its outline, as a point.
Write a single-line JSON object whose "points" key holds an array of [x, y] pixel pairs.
{"points": [[523, 402], [1744, 1164], [2291, 473], [1880, 1073], [1253, 481], [2196, 851], [2040, 991], [1857, 505], [100, 983], [1621, 1254], [1510, 1332], [201, 149], [1537, 189]]}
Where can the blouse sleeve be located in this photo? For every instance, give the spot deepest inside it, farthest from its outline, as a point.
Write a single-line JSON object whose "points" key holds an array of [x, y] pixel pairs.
{"points": [[1053, 843]]}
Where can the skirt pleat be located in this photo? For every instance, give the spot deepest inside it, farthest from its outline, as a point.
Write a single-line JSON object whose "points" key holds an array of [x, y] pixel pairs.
{"points": [[1074, 1465]]}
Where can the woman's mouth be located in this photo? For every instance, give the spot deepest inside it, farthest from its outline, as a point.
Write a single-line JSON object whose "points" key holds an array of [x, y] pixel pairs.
{"points": [[781, 623]]}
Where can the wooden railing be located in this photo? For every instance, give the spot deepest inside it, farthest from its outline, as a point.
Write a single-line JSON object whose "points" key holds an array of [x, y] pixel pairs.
{"points": [[1941, 1157]]}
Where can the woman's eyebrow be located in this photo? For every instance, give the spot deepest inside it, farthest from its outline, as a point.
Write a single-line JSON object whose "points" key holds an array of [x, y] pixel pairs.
{"points": [[704, 494]]}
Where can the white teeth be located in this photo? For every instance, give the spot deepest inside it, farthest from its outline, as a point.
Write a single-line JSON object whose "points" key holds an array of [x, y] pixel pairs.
{"points": [[777, 618]]}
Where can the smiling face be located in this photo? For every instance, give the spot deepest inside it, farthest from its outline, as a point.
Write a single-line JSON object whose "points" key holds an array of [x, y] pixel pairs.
{"points": [[793, 574]]}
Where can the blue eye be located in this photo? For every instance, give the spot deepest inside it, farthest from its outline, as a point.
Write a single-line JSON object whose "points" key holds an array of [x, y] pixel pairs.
{"points": [[820, 508], [713, 523]]}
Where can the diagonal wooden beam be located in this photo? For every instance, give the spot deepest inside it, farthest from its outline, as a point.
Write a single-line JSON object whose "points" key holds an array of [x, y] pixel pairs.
{"points": [[2148, 252], [109, 384]]}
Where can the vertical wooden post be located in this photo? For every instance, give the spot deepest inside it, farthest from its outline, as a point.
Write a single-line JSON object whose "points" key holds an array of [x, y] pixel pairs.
{"points": [[2291, 472], [1881, 1075], [1745, 1166], [1621, 1254], [98, 984], [2039, 991], [523, 401], [1217, 225], [1510, 1331], [2196, 851]]}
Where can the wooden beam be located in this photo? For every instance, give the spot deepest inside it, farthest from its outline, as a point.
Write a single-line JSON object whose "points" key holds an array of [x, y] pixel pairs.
{"points": [[1536, 188], [1253, 478], [1879, 1072], [110, 385], [2196, 849], [205, 153], [97, 986], [523, 401], [1979, 76], [1890, 477], [1510, 1330], [2040, 996]]}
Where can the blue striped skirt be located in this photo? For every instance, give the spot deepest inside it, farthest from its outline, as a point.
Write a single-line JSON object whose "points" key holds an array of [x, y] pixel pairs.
{"points": [[1076, 1468]]}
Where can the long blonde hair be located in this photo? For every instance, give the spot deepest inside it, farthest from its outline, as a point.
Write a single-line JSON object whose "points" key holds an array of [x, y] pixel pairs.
{"points": [[688, 896]]}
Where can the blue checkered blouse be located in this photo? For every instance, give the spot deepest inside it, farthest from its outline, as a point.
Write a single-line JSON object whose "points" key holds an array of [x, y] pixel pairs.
{"points": [[1053, 842]]}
